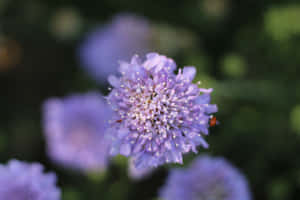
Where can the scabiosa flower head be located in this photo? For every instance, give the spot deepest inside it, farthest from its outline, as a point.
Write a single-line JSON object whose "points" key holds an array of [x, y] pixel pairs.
{"points": [[74, 130], [158, 115], [24, 181], [126, 35], [206, 179]]}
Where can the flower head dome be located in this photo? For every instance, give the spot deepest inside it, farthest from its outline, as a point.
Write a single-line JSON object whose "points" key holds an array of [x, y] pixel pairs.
{"points": [[124, 36], [74, 129], [206, 179], [24, 181], [158, 115]]}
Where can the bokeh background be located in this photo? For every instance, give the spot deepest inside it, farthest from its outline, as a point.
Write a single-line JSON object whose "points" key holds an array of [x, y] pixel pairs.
{"points": [[248, 51]]}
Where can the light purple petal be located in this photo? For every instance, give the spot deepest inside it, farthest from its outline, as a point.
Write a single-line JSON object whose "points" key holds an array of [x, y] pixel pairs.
{"points": [[114, 81], [189, 73]]}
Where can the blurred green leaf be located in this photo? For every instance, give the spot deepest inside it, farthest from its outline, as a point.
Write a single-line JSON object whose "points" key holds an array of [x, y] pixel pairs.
{"points": [[97, 176], [283, 22], [121, 161], [70, 194], [279, 190], [234, 66], [295, 119]]}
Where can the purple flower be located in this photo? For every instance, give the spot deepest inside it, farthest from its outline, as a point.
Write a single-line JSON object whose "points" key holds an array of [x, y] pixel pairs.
{"points": [[24, 181], [206, 179], [158, 115], [102, 49], [138, 174], [74, 129]]}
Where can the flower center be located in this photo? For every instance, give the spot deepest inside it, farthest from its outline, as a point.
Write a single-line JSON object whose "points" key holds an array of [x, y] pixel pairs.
{"points": [[155, 108]]}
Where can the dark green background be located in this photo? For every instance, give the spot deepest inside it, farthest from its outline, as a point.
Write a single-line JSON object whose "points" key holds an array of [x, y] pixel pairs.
{"points": [[250, 54]]}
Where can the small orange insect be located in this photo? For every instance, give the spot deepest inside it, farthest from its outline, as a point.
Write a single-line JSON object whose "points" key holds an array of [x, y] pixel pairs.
{"points": [[119, 121], [213, 121]]}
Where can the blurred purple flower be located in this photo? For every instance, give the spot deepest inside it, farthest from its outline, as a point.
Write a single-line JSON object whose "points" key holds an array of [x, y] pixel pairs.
{"points": [[24, 181], [74, 129], [138, 174], [158, 115], [206, 179], [103, 48]]}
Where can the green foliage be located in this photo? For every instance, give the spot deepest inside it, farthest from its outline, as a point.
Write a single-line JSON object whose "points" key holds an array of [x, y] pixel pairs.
{"points": [[70, 194], [283, 22], [295, 119], [279, 190], [234, 66]]}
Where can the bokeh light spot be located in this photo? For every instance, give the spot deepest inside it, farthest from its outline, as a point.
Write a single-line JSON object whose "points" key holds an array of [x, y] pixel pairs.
{"points": [[234, 66], [295, 119]]}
